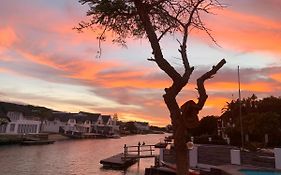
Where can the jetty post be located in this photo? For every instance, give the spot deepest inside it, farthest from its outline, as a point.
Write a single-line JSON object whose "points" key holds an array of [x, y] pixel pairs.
{"points": [[125, 151], [139, 144]]}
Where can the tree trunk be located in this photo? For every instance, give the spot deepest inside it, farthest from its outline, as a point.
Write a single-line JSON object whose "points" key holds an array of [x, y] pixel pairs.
{"points": [[182, 161]]}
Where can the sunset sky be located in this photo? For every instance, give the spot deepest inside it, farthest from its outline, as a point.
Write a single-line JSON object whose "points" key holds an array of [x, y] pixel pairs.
{"points": [[44, 62]]}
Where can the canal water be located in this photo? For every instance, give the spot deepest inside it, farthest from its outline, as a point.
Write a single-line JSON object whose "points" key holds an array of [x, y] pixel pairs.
{"points": [[72, 157]]}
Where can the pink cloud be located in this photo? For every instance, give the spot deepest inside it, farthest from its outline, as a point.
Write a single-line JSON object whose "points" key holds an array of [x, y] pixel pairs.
{"points": [[241, 31]]}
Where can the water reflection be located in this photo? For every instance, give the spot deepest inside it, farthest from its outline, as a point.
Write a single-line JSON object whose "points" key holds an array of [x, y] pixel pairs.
{"points": [[71, 157]]}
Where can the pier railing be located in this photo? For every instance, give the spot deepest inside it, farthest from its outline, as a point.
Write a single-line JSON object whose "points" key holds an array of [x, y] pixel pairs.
{"points": [[139, 151]]}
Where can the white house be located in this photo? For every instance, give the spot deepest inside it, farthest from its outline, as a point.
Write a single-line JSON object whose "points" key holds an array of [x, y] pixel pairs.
{"points": [[20, 124], [81, 122], [52, 126]]}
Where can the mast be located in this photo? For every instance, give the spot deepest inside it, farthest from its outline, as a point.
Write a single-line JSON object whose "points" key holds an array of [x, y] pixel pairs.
{"points": [[240, 111]]}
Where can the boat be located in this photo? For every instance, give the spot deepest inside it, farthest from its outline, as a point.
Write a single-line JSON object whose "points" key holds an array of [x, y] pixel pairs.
{"points": [[113, 136], [37, 142], [73, 134]]}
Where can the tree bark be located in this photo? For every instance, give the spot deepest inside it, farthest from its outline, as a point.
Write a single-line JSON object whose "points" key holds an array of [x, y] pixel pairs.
{"points": [[182, 161]]}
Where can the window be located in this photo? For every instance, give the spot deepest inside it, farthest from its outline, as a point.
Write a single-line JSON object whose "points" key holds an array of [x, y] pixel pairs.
{"points": [[12, 127], [18, 131], [3, 128], [35, 127]]}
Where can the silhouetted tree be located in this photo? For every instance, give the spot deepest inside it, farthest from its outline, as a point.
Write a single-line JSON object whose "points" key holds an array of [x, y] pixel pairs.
{"points": [[259, 117], [130, 126], [207, 126], [154, 19], [259, 124], [3, 117]]}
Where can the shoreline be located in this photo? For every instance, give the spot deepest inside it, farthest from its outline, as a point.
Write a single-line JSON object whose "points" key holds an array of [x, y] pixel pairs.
{"points": [[12, 139]]}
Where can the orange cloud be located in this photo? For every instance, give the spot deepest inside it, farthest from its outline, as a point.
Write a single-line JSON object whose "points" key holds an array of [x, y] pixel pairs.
{"points": [[152, 120], [245, 32], [3, 70], [39, 59], [87, 69], [276, 77], [233, 86], [136, 83], [7, 37], [82, 69], [216, 102]]}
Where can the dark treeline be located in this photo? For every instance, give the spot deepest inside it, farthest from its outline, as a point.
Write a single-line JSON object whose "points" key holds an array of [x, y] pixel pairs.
{"points": [[261, 123], [27, 110], [260, 117]]}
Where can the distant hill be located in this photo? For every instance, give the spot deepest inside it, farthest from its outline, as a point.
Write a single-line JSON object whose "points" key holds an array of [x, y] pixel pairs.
{"points": [[27, 110]]}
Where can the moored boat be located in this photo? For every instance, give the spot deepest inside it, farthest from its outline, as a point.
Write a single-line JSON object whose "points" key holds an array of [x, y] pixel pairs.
{"points": [[37, 142]]}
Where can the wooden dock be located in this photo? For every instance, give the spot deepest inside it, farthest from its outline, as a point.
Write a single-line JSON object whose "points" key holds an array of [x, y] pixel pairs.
{"points": [[118, 161], [130, 156]]}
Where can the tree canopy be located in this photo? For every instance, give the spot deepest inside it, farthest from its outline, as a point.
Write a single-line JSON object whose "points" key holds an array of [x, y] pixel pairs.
{"points": [[122, 17]]}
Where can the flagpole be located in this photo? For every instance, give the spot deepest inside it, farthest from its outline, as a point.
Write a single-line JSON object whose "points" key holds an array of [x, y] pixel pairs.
{"points": [[240, 111]]}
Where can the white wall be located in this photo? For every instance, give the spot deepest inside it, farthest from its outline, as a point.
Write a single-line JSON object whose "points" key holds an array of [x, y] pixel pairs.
{"points": [[52, 126], [19, 124]]}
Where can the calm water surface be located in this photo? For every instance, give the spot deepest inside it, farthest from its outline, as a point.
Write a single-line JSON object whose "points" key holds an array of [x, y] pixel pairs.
{"points": [[71, 157]]}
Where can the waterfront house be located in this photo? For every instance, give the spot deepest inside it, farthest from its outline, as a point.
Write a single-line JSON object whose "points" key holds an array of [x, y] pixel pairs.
{"points": [[20, 124], [53, 126], [76, 122], [106, 125], [82, 122]]}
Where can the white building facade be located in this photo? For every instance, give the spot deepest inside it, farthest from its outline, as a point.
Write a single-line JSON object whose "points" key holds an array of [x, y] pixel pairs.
{"points": [[20, 124], [81, 122], [52, 126]]}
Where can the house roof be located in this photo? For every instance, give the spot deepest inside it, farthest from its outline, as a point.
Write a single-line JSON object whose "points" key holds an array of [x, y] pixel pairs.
{"points": [[79, 117], [62, 116], [105, 118], [91, 116]]}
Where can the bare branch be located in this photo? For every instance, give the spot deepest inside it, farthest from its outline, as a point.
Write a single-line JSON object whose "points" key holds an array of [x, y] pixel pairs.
{"points": [[200, 83], [100, 39], [151, 59], [195, 8], [202, 26], [163, 33], [185, 35]]}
